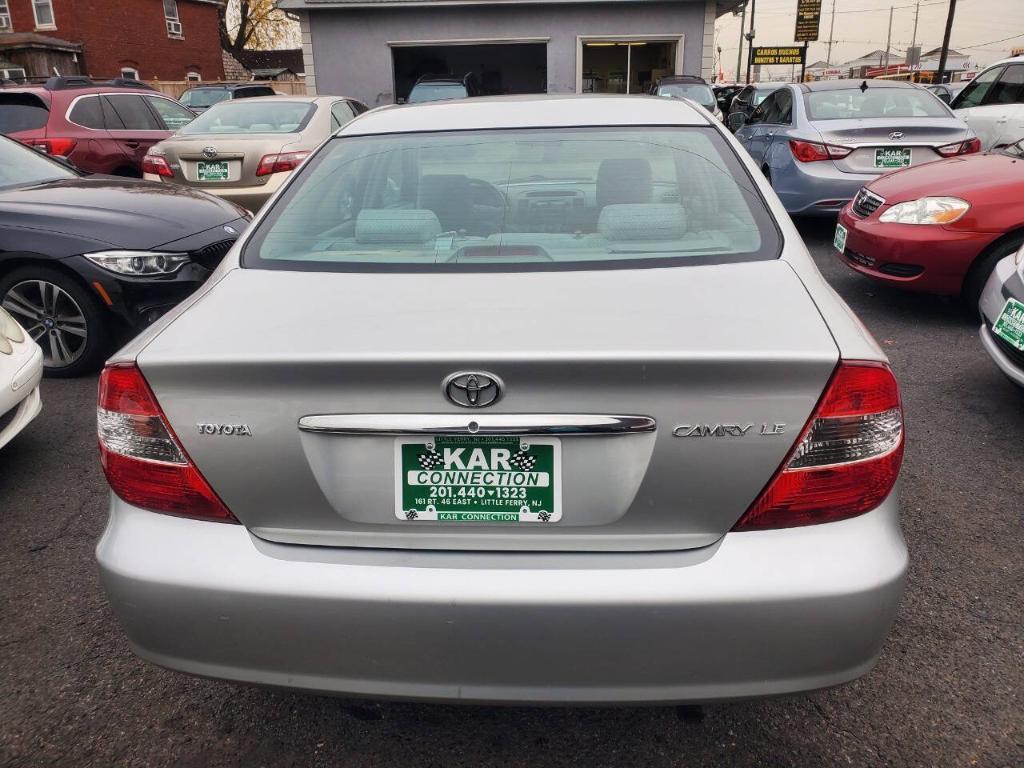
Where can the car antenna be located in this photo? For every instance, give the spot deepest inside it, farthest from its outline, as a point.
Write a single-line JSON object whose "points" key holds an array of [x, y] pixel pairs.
{"points": [[863, 86]]}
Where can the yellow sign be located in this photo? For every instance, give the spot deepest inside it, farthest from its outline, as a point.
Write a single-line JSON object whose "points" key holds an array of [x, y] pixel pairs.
{"points": [[768, 56]]}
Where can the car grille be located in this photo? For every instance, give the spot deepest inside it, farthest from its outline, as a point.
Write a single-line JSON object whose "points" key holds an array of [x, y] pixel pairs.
{"points": [[1016, 356], [211, 255], [860, 258], [866, 203]]}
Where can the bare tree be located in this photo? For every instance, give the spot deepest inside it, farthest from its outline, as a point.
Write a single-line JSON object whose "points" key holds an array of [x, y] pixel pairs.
{"points": [[255, 24]]}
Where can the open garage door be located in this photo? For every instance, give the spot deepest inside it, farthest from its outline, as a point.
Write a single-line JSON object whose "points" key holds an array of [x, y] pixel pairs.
{"points": [[499, 68]]}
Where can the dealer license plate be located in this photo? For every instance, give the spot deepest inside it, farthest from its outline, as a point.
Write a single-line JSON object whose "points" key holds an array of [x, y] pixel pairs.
{"points": [[468, 479], [892, 158], [839, 241], [212, 171], [1009, 326]]}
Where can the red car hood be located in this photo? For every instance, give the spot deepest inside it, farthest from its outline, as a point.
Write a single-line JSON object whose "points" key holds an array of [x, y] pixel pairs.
{"points": [[978, 179]]}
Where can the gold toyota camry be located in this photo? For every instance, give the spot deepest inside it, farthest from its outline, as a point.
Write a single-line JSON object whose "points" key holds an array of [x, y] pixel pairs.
{"points": [[243, 150]]}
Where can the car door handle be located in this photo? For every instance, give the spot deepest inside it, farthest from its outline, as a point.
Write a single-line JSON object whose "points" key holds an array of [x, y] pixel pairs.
{"points": [[770, 134], [132, 144], [562, 425]]}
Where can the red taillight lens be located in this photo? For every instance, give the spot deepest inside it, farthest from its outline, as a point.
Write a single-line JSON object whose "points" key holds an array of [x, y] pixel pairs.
{"points": [[848, 456], [960, 148], [157, 165], [286, 161], [142, 459], [812, 151], [56, 147]]}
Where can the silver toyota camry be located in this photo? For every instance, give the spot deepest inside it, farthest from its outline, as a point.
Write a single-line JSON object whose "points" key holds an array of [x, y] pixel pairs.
{"points": [[534, 399]]}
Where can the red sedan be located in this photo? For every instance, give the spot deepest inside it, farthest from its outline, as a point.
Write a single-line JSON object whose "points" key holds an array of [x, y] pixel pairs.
{"points": [[939, 227]]}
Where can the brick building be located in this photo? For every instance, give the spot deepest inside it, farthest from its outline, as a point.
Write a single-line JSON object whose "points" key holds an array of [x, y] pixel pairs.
{"points": [[144, 39]]}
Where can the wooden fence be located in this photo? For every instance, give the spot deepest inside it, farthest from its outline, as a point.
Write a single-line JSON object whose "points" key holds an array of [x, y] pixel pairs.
{"points": [[175, 88]]}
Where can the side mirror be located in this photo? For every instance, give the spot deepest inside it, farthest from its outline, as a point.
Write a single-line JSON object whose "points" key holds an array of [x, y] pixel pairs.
{"points": [[736, 121]]}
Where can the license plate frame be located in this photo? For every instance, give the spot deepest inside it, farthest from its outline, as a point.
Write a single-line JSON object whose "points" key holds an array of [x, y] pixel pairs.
{"points": [[461, 479], [1009, 324], [839, 239], [204, 170], [904, 155]]}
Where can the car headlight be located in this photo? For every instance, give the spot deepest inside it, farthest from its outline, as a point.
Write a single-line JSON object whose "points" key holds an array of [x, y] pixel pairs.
{"points": [[10, 332], [138, 263], [927, 210]]}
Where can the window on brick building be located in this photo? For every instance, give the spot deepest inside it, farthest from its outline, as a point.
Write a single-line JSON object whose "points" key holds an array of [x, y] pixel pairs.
{"points": [[129, 73], [5, 17], [43, 10], [171, 18], [194, 77]]}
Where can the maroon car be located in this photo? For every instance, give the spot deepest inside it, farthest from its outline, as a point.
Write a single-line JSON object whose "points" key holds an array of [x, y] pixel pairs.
{"points": [[98, 127]]}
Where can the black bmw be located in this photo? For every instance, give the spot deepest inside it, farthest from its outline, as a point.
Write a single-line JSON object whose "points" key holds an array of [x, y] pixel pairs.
{"points": [[87, 261]]}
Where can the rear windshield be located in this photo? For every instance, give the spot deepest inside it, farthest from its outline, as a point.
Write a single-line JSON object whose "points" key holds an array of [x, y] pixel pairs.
{"points": [[760, 96], [204, 97], [698, 92], [255, 116], [584, 198], [855, 104], [22, 112], [437, 92]]}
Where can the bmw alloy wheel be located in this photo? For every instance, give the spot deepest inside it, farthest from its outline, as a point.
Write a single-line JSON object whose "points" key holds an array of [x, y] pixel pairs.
{"points": [[51, 317]]}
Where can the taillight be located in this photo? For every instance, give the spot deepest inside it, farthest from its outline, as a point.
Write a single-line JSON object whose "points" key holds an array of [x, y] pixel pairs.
{"points": [[812, 151], [142, 459], [960, 148], [156, 164], [847, 459], [286, 161], [56, 147]]}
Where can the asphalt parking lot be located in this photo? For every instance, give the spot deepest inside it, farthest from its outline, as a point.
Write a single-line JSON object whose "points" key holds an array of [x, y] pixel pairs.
{"points": [[949, 690]]}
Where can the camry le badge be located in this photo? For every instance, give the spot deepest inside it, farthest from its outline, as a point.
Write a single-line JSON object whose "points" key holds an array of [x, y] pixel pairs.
{"points": [[726, 430], [472, 389]]}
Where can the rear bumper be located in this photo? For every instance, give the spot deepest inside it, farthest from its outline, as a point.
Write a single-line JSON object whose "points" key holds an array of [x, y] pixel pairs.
{"points": [[251, 197], [817, 188], [944, 256], [757, 614]]}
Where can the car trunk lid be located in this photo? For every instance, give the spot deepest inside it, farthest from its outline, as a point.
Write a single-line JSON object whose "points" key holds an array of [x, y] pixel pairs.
{"points": [[882, 146], [214, 160], [714, 370]]}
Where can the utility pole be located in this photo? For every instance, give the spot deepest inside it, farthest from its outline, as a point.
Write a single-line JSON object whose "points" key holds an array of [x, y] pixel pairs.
{"points": [[945, 42], [750, 38], [917, 12], [888, 43], [739, 49], [831, 30]]}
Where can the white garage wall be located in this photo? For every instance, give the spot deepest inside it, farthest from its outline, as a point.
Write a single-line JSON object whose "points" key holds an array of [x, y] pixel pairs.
{"points": [[351, 56]]}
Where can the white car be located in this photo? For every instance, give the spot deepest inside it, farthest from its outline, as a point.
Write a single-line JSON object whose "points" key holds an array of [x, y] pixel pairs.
{"points": [[21, 368], [993, 104]]}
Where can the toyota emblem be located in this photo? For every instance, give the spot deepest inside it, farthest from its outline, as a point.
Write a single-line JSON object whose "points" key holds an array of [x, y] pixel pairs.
{"points": [[209, 152], [896, 135], [473, 389]]}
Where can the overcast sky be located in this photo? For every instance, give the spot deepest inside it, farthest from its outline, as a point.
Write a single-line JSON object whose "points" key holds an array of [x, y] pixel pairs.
{"points": [[979, 30]]}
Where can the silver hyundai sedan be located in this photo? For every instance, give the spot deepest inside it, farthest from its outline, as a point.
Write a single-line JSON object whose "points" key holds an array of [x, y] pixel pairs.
{"points": [[531, 399]]}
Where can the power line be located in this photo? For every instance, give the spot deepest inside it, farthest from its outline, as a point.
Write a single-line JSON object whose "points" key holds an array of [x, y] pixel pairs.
{"points": [[991, 42]]}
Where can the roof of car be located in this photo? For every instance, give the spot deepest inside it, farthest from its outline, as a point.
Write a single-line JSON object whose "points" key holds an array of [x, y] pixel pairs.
{"points": [[667, 79], [535, 111], [839, 85], [227, 86]]}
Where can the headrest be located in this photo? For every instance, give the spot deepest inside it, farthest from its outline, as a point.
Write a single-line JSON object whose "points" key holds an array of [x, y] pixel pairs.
{"points": [[650, 221], [385, 225]]}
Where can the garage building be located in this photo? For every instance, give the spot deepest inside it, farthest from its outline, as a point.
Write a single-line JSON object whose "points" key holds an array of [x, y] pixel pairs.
{"points": [[374, 50]]}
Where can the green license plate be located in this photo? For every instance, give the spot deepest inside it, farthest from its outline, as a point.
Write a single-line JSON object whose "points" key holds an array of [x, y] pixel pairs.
{"points": [[839, 241], [468, 479], [1009, 326], [213, 171], [892, 158]]}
